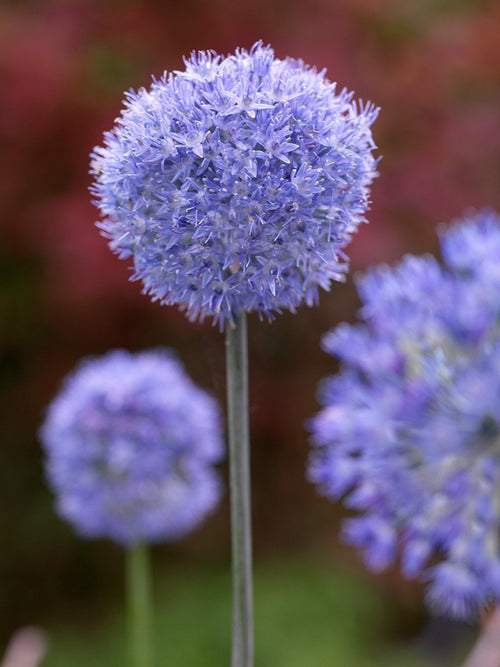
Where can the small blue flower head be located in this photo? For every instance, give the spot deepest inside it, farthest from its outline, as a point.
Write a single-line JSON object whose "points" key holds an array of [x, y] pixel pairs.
{"points": [[130, 444], [409, 432], [235, 185]]}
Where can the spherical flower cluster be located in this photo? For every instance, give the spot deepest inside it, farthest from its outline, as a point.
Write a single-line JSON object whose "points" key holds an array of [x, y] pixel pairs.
{"points": [[410, 428], [130, 444], [234, 185]]}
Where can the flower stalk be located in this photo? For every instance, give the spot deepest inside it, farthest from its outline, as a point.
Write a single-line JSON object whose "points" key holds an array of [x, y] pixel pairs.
{"points": [[139, 600], [241, 516]]}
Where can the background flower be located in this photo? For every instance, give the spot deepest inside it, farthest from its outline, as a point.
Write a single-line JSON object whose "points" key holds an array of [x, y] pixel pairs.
{"points": [[410, 428], [235, 184], [130, 442]]}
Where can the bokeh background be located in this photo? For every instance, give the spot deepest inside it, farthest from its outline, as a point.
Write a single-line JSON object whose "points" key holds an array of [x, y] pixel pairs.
{"points": [[433, 66]]}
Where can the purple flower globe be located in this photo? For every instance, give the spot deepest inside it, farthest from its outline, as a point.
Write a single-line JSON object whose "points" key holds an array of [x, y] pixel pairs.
{"points": [[130, 444], [235, 185], [409, 433]]}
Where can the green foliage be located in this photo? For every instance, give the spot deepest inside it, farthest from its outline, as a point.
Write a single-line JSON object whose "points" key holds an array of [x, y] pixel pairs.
{"points": [[306, 615]]}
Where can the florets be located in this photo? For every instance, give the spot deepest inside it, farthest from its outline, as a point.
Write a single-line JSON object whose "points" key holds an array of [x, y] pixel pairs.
{"points": [[234, 185], [410, 428], [130, 444]]}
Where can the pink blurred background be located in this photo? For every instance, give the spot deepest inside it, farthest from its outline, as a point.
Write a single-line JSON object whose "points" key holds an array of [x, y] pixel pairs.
{"points": [[434, 68]]}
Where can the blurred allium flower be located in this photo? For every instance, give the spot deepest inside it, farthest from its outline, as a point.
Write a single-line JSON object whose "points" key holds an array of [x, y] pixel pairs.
{"points": [[130, 442], [235, 184], [410, 428]]}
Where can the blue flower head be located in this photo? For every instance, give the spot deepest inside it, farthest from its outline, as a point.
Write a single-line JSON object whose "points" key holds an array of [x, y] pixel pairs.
{"points": [[130, 444], [235, 185], [409, 433]]}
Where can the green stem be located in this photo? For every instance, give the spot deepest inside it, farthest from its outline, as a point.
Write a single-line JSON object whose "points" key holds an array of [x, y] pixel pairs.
{"points": [[139, 606], [241, 515]]}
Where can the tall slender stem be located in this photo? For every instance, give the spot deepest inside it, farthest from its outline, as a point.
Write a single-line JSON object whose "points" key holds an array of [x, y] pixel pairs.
{"points": [[241, 515], [139, 599]]}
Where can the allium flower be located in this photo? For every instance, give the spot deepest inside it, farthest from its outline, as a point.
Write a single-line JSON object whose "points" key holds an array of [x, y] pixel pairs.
{"points": [[410, 428], [130, 442], [235, 184]]}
